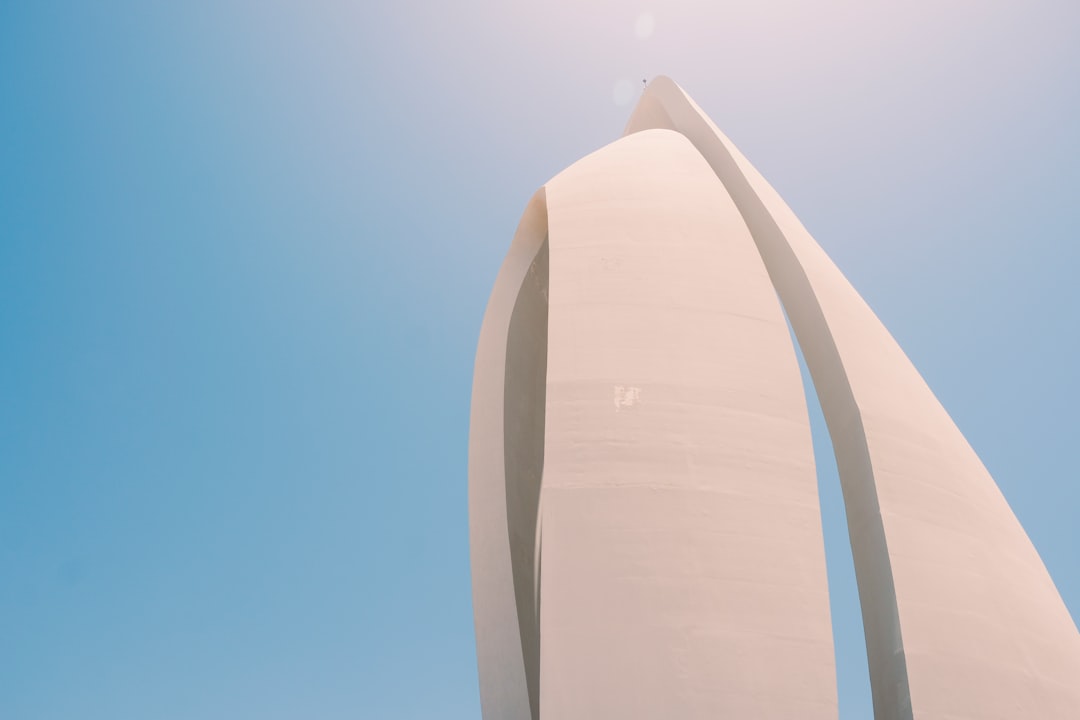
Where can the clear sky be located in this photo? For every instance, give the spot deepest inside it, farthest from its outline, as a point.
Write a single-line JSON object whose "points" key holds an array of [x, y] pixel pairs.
{"points": [[245, 248]]}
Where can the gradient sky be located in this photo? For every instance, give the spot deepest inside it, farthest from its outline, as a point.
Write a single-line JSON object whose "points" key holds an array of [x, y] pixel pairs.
{"points": [[245, 249]]}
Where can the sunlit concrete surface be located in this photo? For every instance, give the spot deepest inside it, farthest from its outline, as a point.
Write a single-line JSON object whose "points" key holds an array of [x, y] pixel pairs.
{"points": [[645, 529]]}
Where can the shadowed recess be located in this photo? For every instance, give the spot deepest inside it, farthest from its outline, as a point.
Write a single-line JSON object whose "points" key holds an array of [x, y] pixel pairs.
{"points": [[524, 394]]}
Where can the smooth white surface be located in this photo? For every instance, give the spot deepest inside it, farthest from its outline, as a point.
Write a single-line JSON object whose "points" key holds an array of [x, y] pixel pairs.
{"points": [[962, 619], [683, 569], [681, 558], [678, 558]]}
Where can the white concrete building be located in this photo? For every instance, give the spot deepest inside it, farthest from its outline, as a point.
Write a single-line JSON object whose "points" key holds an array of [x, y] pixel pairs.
{"points": [[645, 531]]}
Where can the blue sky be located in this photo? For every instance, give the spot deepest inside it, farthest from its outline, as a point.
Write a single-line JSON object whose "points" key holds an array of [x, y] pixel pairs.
{"points": [[245, 249]]}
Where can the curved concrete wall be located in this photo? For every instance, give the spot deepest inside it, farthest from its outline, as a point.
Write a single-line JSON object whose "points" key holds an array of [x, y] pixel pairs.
{"points": [[679, 535], [962, 619], [503, 687], [645, 531], [683, 561]]}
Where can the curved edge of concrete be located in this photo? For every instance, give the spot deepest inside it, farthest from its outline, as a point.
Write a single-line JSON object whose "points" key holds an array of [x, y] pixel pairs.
{"points": [[503, 687]]}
